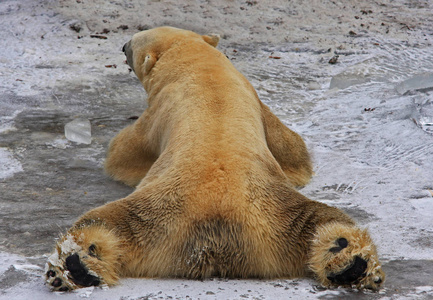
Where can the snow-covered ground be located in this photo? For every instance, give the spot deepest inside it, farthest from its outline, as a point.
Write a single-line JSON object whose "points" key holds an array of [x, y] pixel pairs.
{"points": [[368, 122]]}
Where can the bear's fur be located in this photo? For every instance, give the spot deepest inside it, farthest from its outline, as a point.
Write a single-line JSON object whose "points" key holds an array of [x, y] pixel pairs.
{"points": [[215, 173]]}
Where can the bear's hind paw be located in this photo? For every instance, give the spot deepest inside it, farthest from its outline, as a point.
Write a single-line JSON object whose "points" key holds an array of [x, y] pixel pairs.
{"points": [[343, 255]]}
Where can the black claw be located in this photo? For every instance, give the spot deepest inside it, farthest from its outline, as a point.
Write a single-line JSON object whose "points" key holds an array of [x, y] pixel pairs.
{"points": [[79, 272], [335, 249], [352, 274], [92, 251], [57, 282]]}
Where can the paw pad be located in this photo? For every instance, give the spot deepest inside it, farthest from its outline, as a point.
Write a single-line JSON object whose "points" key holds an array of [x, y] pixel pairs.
{"points": [[51, 273], [345, 255], [342, 243], [57, 282], [70, 275], [353, 274], [80, 275]]}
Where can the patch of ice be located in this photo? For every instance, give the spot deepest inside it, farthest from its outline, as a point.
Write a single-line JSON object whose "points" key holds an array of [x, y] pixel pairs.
{"points": [[424, 114], [6, 129], [8, 165], [417, 82], [426, 123], [8, 260], [345, 80], [79, 131], [7, 121]]}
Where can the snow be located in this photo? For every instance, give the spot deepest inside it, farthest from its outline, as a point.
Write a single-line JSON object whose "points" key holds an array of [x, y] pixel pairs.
{"points": [[367, 121]]}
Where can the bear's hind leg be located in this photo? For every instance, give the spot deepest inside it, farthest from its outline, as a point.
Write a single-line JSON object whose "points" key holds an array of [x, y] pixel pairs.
{"points": [[344, 255], [288, 148]]}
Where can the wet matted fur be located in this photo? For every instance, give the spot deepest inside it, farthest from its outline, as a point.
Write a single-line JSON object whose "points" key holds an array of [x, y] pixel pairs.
{"points": [[215, 173]]}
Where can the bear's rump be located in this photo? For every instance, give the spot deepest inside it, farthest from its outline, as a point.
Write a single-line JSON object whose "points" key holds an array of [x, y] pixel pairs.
{"points": [[213, 248]]}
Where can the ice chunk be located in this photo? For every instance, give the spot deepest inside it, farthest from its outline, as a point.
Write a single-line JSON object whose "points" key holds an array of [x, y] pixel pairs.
{"points": [[418, 82], [359, 73], [425, 117], [79, 131], [345, 80], [426, 124]]}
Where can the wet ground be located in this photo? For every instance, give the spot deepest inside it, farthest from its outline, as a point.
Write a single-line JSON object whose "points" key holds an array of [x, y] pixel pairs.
{"points": [[366, 125]]}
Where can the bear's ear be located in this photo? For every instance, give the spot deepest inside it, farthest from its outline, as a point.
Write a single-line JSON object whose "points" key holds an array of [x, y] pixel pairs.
{"points": [[211, 39], [149, 62]]}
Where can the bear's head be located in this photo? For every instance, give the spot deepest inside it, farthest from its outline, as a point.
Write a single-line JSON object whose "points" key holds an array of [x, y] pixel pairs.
{"points": [[144, 49]]}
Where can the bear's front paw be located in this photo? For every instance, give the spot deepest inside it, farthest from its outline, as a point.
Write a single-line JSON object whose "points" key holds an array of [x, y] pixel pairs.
{"points": [[66, 271], [345, 255], [87, 256], [73, 274]]}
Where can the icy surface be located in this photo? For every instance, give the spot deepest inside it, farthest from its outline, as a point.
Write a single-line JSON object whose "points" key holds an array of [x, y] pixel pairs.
{"points": [[8, 165], [79, 131], [367, 121]]}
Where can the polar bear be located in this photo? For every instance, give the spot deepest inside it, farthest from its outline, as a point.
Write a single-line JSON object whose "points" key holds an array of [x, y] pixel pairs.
{"points": [[215, 175]]}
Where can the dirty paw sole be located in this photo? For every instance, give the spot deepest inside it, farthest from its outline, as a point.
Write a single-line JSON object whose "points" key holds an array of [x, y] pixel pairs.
{"points": [[84, 257], [345, 255]]}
